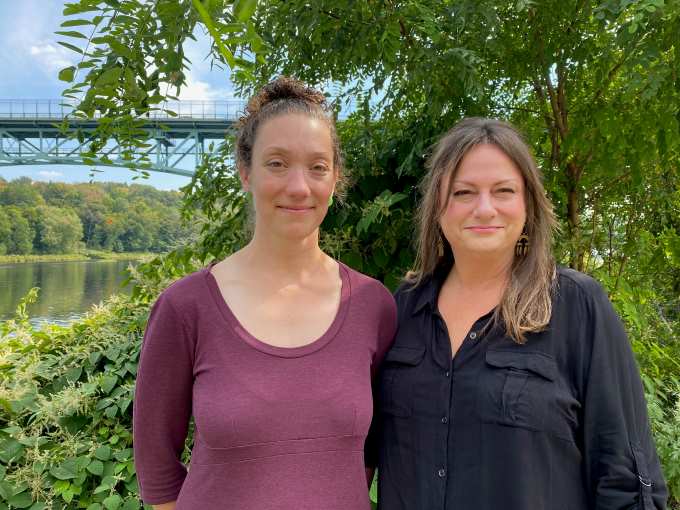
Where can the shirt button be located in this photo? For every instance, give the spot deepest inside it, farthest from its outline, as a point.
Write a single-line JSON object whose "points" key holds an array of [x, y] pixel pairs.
{"points": [[441, 473], [473, 335], [448, 373], [445, 420]]}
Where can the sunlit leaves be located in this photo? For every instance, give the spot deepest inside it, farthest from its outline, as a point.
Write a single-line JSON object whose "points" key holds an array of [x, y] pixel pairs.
{"points": [[132, 58], [244, 9], [67, 74]]}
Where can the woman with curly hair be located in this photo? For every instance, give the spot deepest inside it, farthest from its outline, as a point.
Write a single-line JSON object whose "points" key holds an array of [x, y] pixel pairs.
{"points": [[272, 350]]}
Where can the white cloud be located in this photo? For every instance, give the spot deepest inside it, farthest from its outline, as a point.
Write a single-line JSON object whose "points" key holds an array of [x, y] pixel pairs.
{"points": [[51, 57], [197, 90], [49, 174], [45, 48]]}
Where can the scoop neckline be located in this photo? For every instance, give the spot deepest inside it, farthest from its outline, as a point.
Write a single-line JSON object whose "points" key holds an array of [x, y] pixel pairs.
{"points": [[274, 350]]}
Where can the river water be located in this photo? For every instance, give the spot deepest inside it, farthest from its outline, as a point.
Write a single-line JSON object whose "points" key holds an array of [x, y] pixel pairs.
{"points": [[67, 289]]}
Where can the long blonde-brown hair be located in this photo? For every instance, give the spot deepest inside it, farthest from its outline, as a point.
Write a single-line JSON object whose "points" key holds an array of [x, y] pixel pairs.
{"points": [[526, 304]]}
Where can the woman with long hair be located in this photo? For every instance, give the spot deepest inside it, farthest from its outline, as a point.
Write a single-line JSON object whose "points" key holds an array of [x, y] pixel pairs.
{"points": [[272, 350], [511, 383]]}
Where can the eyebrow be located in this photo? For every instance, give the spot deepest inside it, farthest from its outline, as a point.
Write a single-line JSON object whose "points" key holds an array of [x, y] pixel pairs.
{"points": [[316, 154], [505, 181]]}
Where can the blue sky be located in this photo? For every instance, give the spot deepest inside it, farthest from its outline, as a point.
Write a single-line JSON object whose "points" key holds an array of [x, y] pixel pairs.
{"points": [[30, 59]]}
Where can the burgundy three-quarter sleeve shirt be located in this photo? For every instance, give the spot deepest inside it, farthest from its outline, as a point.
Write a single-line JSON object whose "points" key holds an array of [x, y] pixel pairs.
{"points": [[275, 428]]}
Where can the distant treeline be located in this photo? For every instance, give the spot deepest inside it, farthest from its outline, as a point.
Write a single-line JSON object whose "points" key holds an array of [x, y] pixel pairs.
{"points": [[39, 217]]}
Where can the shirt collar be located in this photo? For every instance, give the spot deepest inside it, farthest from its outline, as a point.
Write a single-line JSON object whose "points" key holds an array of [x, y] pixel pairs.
{"points": [[429, 290]]}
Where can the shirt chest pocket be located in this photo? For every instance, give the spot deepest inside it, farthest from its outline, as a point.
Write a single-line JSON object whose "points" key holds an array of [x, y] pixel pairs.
{"points": [[398, 380], [517, 389]]}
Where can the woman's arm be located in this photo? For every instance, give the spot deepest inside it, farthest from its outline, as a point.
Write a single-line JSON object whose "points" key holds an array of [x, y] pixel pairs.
{"points": [[162, 405], [620, 460]]}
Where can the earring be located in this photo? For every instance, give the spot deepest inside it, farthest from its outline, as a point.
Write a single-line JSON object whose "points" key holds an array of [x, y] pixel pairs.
{"points": [[330, 201], [522, 245], [440, 246]]}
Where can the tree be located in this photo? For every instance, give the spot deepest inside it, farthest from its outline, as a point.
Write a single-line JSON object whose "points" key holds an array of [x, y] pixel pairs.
{"points": [[593, 84], [59, 230], [5, 231], [132, 60], [20, 192], [20, 240]]}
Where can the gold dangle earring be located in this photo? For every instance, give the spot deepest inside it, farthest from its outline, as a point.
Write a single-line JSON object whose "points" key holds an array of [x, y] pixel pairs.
{"points": [[522, 245], [440, 244]]}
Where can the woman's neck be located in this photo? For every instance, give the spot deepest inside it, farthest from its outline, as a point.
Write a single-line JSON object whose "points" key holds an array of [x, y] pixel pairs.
{"points": [[475, 273], [286, 258]]}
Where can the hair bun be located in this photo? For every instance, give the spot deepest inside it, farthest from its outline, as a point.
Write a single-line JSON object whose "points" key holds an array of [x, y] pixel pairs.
{"points": [[285, 88]]}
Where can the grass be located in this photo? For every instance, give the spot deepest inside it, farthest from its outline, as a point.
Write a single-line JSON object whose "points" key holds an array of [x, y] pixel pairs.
{"points": [[80, 256]]}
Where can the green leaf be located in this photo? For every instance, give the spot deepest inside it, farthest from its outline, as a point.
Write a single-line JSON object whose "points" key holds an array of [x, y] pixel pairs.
{"points": [[70, 47], [6, 490], [103, 452], [23, 500], [67, 74], [78, 8], [109, 77], [73, 374], [131, 504], [10, 449], [119, 48], [108, 382], [38, 506], [96, 467], [244, 9], [205, 17], [94, 506], [63, 472], [112, 502], [76, 23], [60, 486], [71, 33]]}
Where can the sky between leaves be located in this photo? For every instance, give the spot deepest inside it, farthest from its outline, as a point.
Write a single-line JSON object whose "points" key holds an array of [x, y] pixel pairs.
{"points": [[30, 60]]}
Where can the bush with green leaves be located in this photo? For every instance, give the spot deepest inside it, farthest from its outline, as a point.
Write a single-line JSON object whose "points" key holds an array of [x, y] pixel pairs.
{"points": [[66, 400], [66, 394]]}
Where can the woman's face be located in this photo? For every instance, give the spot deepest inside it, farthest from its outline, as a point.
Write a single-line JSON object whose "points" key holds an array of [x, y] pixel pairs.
{"points": [[291, 176], [486, 210]]}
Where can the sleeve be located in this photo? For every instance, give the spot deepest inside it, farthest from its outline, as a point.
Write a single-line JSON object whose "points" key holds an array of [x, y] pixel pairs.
{"points": [[162, 405], [386, 332], [621, 463]]}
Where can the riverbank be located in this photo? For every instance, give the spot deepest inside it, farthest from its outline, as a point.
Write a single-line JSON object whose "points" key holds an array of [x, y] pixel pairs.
{"points": [[75, 257]]}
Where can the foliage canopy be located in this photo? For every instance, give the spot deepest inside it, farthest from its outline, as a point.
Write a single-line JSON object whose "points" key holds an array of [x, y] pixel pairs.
{"points": [[594, 85]]}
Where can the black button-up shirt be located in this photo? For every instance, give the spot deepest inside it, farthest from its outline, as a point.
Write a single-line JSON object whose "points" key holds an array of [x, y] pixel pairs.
{"points": [[558, 423]]}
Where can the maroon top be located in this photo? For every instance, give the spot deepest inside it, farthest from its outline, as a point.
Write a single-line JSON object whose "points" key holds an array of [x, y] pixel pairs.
{"points": [[276, 427]]}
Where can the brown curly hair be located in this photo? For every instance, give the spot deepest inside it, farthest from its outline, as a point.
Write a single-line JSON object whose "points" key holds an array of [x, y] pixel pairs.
{"points": [[283, 96]]}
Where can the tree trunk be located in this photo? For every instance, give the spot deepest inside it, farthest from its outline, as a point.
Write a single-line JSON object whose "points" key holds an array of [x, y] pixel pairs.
{"points": [[573, 216]]}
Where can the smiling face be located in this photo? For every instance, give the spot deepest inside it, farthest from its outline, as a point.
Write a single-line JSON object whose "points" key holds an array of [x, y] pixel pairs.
{"points": [[485, 211], [291, 175]]}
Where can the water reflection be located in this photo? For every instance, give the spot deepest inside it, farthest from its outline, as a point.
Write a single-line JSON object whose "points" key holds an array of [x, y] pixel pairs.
{"points": [[67, 289]]}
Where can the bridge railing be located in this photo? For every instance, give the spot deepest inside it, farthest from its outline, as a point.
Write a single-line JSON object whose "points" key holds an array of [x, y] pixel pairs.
{"points": [[57, 109]]}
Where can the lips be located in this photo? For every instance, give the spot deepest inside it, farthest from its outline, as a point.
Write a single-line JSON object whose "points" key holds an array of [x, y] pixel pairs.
{"points": [[294, 208], [483, 228]]}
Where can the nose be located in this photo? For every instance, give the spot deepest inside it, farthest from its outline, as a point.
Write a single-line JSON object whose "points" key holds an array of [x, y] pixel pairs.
{"points": [[484, 208], [297, 185]]}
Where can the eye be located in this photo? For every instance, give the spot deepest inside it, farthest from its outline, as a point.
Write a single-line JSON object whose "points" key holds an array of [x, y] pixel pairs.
{"points": [[320, 168], [506, 190], [274, 163], [462, 192]]}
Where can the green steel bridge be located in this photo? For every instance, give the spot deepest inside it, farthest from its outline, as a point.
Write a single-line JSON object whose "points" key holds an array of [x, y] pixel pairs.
{"points": [[29, 134]]}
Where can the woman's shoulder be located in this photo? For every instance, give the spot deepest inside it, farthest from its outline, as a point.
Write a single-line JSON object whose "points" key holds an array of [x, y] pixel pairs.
{"points": [[573, 281], [577, 290], [187, 290], [362, 284]]}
